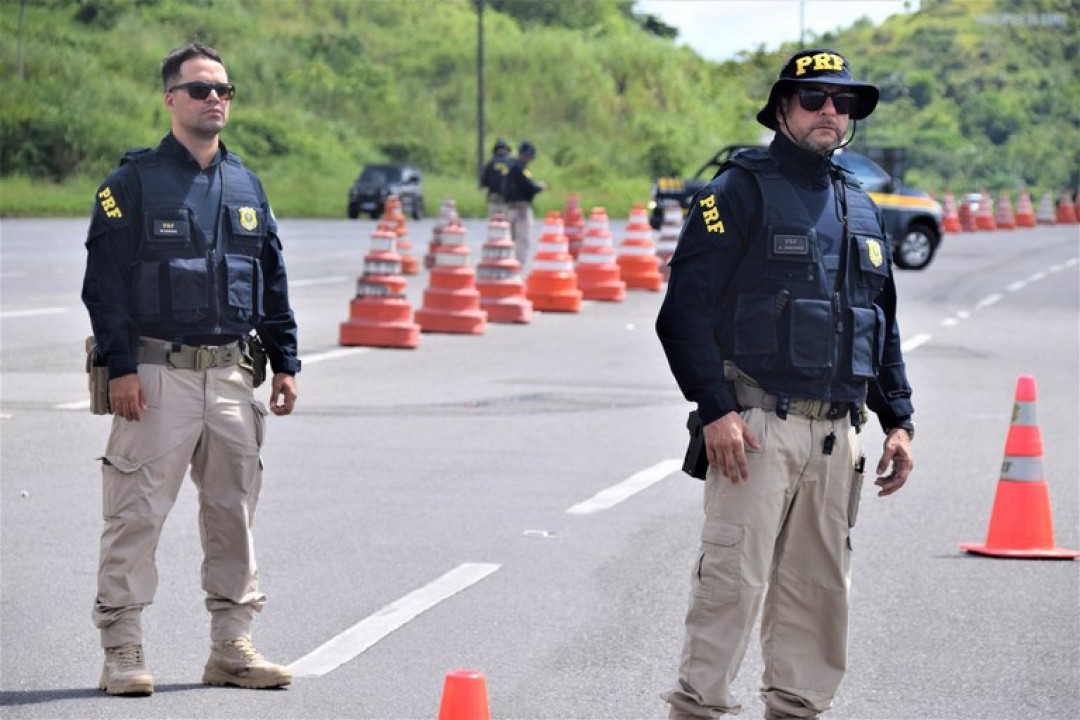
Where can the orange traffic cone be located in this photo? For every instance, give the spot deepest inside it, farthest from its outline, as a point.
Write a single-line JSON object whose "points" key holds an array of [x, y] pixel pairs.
{"points": [[552, 283], [379, 315], [967, 217], [599, 277], [1076, 209], [984, 214], [1021, 525], [1045, 215], [950, 220], [498, 277], [409, 264], [452, 302], [1004, 216], [637, 253], [1066, 213], [464, 696], [574, 224], [669, 234], [1025, 213]]}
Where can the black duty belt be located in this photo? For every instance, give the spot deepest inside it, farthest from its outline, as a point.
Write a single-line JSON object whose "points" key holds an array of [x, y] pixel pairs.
{"points": [[750, 396], [187, 357]]}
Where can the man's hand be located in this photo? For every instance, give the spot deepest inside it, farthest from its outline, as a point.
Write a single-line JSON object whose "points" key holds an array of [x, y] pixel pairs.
{"points": [[126, 397], [725, 441], [898, 453], [282, 393]]}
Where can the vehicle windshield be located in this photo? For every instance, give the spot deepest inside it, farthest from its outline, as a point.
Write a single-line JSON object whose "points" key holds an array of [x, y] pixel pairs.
{"points": [[381, 174], [867, 172]]}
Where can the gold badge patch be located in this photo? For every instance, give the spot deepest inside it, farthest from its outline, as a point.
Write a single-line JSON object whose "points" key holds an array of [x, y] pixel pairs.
{"points": [[873, 250], [248, 219]]}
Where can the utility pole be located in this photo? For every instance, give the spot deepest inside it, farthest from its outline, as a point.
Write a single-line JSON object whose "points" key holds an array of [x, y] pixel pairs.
{"points": [[479, 86]]}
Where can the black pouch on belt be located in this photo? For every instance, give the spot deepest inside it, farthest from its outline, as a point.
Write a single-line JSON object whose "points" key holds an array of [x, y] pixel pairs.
{"points": [[98, 375], [696, 462], [253, 358]]}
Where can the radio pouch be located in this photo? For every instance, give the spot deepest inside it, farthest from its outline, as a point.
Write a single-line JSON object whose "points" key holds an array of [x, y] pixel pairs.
{"points": [[696, 462], [98, 378]]}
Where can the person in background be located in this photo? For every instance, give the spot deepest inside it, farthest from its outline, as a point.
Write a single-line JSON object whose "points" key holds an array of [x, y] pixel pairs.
{"points": [[519, 189], [491, 177], [183, 262], [779, 321]]}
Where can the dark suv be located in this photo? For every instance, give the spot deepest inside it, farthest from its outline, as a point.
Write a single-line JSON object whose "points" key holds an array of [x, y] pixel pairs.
{"points": [[378, 182]]}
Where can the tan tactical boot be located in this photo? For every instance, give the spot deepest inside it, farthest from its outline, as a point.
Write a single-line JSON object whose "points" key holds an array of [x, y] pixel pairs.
{"points": [[125, 673], [237, 662]]}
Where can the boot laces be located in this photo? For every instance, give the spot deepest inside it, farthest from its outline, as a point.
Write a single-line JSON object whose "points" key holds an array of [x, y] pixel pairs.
{"points": [[244, 647], [127, 656]]}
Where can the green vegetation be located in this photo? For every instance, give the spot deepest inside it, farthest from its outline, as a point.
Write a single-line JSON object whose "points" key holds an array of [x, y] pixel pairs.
{"points": [[980, 92]]}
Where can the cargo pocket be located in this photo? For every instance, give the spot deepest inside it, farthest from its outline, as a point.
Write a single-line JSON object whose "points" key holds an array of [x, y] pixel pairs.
{"points": [[243, 288], [118, 475], [719, 575], [189, 290], [259, 420]]}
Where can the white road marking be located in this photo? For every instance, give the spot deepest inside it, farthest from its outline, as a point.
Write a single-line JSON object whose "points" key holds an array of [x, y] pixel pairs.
{"points": [[988, 301], [332, 280], [1018, 285], [77, 405], [914, 342], [32, 313], [361, 636], [632, 485], [332, 355]]}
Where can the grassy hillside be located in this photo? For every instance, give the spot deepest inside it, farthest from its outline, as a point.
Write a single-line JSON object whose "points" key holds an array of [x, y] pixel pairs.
{"points": [[977, 90]]}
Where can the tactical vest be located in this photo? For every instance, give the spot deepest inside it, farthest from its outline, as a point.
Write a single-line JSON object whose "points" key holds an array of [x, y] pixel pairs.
{"points": [[184, 283], [784, 324]]}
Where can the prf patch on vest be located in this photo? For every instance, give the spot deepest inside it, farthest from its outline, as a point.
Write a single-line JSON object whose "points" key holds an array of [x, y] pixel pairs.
{"points": [[108, 204], [821, 61], [873, 251], [248, 219], [791, 245], [711, 214]]}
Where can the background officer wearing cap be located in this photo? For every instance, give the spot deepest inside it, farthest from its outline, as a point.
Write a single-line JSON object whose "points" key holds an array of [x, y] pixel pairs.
{"points": [[491, 177], [519, 189], [183, 261], [779, 320]]}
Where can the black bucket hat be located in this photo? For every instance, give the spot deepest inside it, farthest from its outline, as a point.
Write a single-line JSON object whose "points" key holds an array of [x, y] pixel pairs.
{"points": [[818, 66]]}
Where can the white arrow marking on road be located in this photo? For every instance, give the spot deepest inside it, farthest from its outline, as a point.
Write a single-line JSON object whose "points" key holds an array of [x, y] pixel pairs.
{"points": [[347, 645], [632, 485]]}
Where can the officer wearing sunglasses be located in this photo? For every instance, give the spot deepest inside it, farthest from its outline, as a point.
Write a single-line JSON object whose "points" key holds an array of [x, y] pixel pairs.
{"points": [[183, 264], [779, 322]]}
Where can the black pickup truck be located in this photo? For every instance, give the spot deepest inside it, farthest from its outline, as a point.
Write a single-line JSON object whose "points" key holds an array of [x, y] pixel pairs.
{"points": [[912, 217]]}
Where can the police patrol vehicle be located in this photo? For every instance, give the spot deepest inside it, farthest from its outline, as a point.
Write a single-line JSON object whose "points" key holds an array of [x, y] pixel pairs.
{"points": [[912, 217]]}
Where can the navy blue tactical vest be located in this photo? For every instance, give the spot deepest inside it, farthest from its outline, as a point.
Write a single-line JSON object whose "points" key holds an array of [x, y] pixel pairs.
{"points": [[786, 324], [184, 283]]}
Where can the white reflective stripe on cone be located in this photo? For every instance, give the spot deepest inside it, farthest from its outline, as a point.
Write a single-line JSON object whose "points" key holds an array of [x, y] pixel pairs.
{"points": [[452, 259], [564, 265], [1024, 469], [591, 259], [1024, 414], [636, 250]]}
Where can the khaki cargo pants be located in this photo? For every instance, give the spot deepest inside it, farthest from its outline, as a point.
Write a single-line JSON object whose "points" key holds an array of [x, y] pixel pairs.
{"points": [[210, 421], [780, 539], [521, 223]]}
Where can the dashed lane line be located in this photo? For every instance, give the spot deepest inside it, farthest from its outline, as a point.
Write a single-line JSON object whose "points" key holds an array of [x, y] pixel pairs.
{"points": [[612, 496], [32, 313], [332, 355], [349, 644]]}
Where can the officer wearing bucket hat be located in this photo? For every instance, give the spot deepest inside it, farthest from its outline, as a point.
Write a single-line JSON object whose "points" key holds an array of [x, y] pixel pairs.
{"points": [[779, 321]]}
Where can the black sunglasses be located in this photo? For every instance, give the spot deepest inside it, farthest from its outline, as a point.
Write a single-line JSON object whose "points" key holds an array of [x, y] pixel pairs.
{"points": [[813, 100], [201, 90]]}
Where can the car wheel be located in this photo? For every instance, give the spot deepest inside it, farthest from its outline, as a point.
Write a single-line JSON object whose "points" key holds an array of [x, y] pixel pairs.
{"points": [[354, 212], [375, 214], [916, 248], [417, 208]]}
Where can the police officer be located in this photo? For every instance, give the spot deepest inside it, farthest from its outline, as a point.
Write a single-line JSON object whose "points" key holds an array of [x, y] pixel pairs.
{"points": [[183, 261], [491, 177], [519, 189], [779, 321]]}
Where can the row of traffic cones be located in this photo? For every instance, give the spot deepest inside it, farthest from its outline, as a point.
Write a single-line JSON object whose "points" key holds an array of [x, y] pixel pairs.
{"points": [[462, 300], [963, 218]]}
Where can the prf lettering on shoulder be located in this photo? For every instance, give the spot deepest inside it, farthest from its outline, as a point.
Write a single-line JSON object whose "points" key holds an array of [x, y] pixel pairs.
{"points": [[108, 204], [822, 61], [711, 215]]}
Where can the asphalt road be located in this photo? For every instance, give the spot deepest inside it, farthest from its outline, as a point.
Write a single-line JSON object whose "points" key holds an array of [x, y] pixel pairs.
{"points": [[443, 508]]}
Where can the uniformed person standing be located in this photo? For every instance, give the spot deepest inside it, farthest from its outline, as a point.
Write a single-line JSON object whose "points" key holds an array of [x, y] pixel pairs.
{"points": [[183, 261], [779, 322], [519, 189], [491, 177]]}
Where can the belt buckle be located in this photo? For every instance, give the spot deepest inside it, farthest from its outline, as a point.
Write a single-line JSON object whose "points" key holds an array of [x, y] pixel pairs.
{"points": [[204, 357]]}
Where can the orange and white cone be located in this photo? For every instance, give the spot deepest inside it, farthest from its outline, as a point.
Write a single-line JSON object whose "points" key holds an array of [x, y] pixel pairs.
{"points": [[1066, 212], [950, 218], [1021, 524], [637, 253], [599, 276], [552, 282], [409, 264], [574, 225], [452, 302], [379, 315], [1004, 215], [464, 696], [498, 277], [984, 215], [670, 230], [1025, 213], [1045, 215], [447, 212]]}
